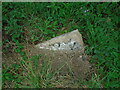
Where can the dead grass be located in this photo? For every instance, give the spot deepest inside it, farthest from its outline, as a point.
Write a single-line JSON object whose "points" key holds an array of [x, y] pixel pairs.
{"points": [[37, 69]]}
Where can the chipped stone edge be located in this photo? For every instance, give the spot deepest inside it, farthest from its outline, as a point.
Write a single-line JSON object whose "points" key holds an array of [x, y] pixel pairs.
{"points": [[44, 44]]}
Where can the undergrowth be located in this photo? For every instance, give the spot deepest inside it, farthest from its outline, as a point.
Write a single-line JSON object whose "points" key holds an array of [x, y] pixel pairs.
{"points": [[33, 23]]}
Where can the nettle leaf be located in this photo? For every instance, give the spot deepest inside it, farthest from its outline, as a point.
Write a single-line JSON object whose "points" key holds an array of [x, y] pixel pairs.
{"points": [[115, 54], [16, 66], [17, 50], [114, 75], [8, 76]]}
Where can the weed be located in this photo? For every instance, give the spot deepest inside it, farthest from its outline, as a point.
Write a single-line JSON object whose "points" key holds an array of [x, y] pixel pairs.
{"points": [[34, 22]]}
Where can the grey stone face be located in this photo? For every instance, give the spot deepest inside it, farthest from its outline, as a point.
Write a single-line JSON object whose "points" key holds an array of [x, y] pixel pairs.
{"points": [[70, 45], [67, 50], [69, 41]]}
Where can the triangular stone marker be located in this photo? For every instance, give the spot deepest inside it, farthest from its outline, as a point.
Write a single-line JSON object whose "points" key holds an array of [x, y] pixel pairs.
{"points": [[66, 51], [70, 41]]}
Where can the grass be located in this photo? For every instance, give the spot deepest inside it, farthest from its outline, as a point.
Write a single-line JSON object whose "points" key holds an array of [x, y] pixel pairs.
{"points": [[31, 23]]}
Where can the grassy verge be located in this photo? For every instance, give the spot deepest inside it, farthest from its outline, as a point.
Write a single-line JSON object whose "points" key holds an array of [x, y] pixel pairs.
{"points": [[31, 23]]}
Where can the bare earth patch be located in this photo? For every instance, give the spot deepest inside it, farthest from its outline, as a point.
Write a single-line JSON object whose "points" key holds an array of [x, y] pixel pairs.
{"points": [[65, 54]]}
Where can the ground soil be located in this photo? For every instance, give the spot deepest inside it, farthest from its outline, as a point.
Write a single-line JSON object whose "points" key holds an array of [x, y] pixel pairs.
{"points": [[75, 62], [67, 62]]}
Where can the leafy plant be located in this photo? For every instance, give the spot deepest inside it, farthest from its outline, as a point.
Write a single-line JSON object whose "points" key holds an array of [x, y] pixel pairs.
{"points": [[98, 23]]}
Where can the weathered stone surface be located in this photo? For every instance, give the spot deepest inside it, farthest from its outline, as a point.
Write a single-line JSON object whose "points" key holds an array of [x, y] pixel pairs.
{"points": [[64, 61], [58, 51], [69, 41]]}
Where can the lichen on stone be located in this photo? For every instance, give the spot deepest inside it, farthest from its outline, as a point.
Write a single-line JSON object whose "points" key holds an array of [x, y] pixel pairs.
{"points": [[70, 45]]}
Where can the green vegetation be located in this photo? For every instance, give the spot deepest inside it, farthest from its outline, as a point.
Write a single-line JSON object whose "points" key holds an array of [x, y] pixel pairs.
{"points": [[31, 23]]}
